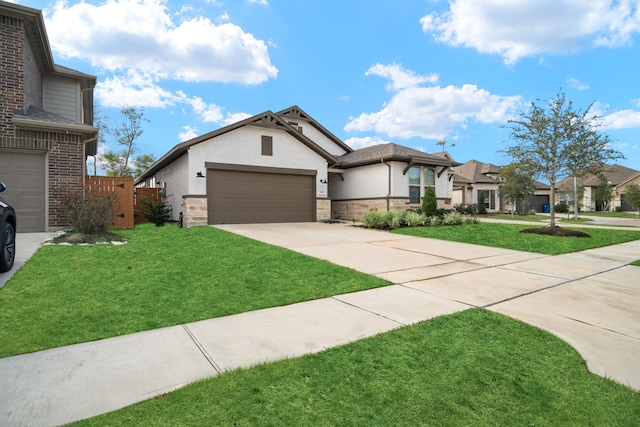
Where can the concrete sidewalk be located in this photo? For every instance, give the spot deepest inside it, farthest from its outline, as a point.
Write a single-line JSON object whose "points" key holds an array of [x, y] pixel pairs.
{"points": [[590, 299]]}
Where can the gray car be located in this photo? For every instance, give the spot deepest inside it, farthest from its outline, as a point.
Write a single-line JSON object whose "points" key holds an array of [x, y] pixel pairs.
{"points": [[7, 234]]}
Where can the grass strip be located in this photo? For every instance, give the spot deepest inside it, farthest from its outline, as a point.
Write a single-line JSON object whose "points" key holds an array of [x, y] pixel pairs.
{"points": [[508, 236], [164, 276], [471, 368]]}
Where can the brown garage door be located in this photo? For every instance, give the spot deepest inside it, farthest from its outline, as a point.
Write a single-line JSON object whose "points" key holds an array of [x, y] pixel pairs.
{"points": [[24, 175], [240, 196]]}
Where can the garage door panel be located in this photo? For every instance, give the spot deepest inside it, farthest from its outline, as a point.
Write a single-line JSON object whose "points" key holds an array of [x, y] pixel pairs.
{"points": [[245, 197], [24, 175]]}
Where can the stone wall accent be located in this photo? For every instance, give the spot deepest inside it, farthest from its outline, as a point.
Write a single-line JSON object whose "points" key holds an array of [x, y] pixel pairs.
{"points": [[323, 209], [352, 210], [195, 211]]}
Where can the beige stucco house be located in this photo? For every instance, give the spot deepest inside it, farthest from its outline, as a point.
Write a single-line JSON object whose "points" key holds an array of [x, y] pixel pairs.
{"points": [[616, 175], [287, 167]]}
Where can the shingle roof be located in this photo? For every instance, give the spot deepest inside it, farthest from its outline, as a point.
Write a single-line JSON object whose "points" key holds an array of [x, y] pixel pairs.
{"points": [[390, 151], [615, 174], [475, 171]]}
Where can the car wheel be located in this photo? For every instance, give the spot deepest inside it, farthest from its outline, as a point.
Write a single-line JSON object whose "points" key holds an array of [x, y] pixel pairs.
{"points": [[7, 247]]}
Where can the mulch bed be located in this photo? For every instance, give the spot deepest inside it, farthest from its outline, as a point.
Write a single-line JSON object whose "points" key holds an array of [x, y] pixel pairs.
{"points": [[75, 238], [555, 231]]}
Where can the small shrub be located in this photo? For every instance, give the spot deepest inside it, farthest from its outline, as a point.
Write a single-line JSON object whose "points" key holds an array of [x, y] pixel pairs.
{"points": [[619, 209], [393, 219], [88, 210], [158, 211], [532, 212], [452, 218], [373, 219], [430, 202], [562, 207], [433, 220], [471, 219], [482, 208], [414, 219]]}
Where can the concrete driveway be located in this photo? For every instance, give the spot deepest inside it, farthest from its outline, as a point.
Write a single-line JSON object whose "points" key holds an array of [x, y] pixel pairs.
{"points": [[590, 299]]}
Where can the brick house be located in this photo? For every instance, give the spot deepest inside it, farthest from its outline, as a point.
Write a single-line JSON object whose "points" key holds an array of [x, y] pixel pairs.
{"points": [[46, 118]]}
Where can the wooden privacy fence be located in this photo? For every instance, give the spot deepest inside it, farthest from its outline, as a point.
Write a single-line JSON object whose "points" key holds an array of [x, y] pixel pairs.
{"points": [[130, 210]]}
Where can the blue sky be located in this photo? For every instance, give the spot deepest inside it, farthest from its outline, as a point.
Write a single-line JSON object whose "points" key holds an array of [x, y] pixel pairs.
{"points": [[371, 71]]}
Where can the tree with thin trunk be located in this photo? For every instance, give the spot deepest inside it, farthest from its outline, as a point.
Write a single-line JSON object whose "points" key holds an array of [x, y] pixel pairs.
{"points": [[603, 192], [515, 187], [557, 140], [127, 132], [632, 196]]}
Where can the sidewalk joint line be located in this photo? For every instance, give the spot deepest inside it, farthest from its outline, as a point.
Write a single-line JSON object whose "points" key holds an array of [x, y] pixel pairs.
{"points": [[335, 297], [204, 352]]}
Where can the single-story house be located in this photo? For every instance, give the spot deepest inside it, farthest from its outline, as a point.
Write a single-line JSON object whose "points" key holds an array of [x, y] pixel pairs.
{"points": [[619, 192], [46, 117], [617, 177], [287, 167], [473, 178]]}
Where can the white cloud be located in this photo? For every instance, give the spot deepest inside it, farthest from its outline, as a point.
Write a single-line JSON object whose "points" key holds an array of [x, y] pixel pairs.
{"points": [[188, 132], [432, 112], [232, 118], [400, 77], [141, 35], [577, 84], [367, 141], [517, 29], [133, 89], [260, 2], [623, 119]]}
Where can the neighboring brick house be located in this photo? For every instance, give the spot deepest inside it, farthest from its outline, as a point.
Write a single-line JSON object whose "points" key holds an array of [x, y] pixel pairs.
{"points": [[617, 176], [46, 117]]}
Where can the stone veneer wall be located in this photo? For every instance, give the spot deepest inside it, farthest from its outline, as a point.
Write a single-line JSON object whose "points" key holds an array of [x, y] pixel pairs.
{"points": [[323, 209], [352, 210], [194, 211]]}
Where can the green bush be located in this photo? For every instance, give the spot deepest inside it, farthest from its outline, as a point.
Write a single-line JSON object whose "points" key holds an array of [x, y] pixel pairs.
{"points": [[88, 210], [393, 219], [619, 209], [414, 219], [452, 218], [471, 219], [157, 211], [430, 202], [373, 219], [561, 207], [433, 220], [482, 208]]}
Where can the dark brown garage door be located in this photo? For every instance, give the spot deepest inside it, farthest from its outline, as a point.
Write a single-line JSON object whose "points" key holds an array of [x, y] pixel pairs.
{"points": [[240, 196], [24, 175]]}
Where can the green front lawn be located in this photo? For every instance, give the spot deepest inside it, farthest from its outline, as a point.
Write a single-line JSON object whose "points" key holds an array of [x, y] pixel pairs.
{"points": [[636, 263], [516, 217], [164, 276], [471, 368], [611, 214], [508, 236]]}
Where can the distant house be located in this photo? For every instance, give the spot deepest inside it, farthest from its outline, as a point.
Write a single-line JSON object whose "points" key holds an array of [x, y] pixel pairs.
{"points": [[619, 192], [287, 167], [473, 178], [617, 176], [46, 117]]}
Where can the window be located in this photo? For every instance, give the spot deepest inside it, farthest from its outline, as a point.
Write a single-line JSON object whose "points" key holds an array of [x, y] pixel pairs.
{"points": [[429, 178], [267, 145], [489, 198], [414, 185]]}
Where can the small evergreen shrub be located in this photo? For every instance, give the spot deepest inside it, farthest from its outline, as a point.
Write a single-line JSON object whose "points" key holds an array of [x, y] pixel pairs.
{"points": [[393, 219], [619, 209], [433, 220], [452, 218], [157, 211], [471, 219], [373, 219], [482, 208], [430, 202], [562, 207], [414, 219]]}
